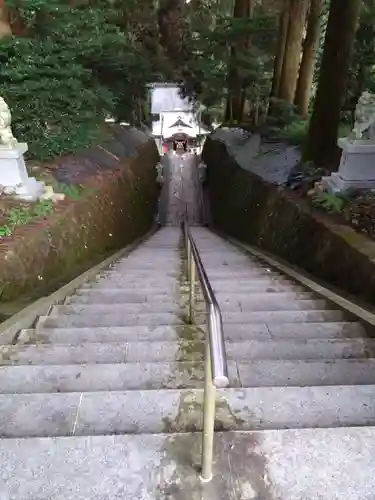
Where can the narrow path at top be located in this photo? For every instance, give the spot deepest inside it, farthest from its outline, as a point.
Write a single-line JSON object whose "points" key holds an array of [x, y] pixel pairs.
{"points": [[181, 190]]}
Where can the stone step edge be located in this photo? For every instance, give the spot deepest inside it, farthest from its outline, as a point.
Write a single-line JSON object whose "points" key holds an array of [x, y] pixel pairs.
{"points": [[218, 433], [225, 313], [273, 340], [199, 326], [220, 392]]}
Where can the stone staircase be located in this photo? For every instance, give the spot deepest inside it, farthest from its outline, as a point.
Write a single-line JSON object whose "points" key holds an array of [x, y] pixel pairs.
{"points": [[103, 397]]}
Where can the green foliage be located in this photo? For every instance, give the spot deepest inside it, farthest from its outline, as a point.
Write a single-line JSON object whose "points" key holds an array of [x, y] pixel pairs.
{"points": [[295, 133], [5, 231], [73, 191], [292, 128], [329, 202], [213, 35], [19, 216], [72, 67], [42, 209], [282, 114]]}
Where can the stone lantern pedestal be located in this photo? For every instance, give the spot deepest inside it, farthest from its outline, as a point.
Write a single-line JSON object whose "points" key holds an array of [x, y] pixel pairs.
{"points": [[357, 167], [14, 179]]}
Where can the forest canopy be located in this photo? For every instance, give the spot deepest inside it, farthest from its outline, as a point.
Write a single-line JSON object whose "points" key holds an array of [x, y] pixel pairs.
{"points": [[264, 64]]}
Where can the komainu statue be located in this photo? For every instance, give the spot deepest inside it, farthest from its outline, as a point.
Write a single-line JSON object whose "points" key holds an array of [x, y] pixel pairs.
{"points": [[364, 126], [6, 136]]}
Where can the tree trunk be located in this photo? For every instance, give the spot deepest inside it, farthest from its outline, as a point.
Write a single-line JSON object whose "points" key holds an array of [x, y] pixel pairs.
{"points": [[235, 100], [306, 71], [293, 49], [5, 28], [171, 17], [321, 146], [228, 110], [281, 44]]}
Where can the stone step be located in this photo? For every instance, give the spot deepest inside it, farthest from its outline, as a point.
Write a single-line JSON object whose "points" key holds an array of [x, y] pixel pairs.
{"points": [[246, 278], [108, 296], [136, 279], [233, 333], [146, 264], [100, 352], [219, 284], [77, 336], [273, 303], [234, 262], [241, 274], [96, 320], [256, 285], [118, 296], [328, 329], [296, 349], [169, 410], [116, 309], [148, 260], [132, 273], [170, 249], [120, 317], [141, 270], [336, 463], [174, 307], [160, 289], [148, 257], [247, 265], [105, 377], [300, 373], [158, 285], [150, 245], [182, 350], [273, 295], [217, 249], [244, 272], [282, 317]]}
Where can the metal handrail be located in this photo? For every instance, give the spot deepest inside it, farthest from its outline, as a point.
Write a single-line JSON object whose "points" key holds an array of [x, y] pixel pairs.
{"points": [[215, 367]]}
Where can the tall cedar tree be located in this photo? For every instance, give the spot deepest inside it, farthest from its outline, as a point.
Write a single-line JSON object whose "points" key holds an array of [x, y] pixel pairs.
{"points": [[172, 24], [293, 47], [11, 22], [281, 44], [236, 99], [310, 47], [321, 145], [5, 28]]}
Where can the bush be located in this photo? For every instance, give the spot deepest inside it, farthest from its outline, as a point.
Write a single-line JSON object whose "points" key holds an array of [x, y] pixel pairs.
{"points": [[281, 114], [54, 105], [66, 73], [295, 133], [329, 202], [360, 212]]}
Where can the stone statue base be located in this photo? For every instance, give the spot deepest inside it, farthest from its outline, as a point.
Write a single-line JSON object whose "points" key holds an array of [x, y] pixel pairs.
{"points": [[357, 167], [14, 179]]}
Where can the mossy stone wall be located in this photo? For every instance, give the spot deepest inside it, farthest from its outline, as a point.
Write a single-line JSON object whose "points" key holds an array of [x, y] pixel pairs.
{"points": [[246, 207], [118, 208]]}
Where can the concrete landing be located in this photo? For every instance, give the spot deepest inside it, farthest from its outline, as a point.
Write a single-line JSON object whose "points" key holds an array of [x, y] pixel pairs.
{"points": [[311, 464]]}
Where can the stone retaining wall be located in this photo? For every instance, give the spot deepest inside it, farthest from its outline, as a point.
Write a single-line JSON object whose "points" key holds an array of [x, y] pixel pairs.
{"points": [[273, 218], [117, 208]]}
